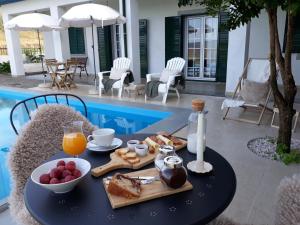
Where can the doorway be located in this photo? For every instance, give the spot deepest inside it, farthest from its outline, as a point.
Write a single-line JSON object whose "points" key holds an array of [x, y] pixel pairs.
{"points": [[200, 48]]}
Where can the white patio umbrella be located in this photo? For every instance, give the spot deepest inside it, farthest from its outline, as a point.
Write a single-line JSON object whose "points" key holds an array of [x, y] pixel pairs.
{"points": [[90, 14], [33, 22]]}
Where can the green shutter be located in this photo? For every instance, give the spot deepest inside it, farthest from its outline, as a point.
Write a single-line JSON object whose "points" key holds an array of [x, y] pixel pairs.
{"points": [[296, 38], [80, 41], [72, 40], [143, 47], [76, 40], [173, 37], [105, 48], [222, 48]]}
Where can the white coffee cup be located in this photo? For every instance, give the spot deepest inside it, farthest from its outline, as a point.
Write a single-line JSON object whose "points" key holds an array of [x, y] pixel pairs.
{"points": [[102, 137]]}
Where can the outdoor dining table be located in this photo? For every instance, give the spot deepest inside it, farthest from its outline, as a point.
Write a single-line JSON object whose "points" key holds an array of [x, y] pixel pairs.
{"points": [[88, 203]]}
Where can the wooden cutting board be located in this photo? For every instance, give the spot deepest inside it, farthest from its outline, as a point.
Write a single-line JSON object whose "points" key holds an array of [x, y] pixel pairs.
{"points": [[117, 162], [157, 189]]}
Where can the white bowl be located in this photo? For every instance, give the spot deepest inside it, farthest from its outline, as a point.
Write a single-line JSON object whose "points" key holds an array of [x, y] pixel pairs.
{"points": [[131, 144], [81, 164], [141, 149]]}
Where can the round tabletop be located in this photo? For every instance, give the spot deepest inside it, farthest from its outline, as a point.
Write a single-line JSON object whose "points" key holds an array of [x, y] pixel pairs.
{"points": [[88, 203]]}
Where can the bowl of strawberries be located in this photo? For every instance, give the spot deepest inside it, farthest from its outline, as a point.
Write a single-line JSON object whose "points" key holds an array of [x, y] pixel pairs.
{"points": [[61, 175]]}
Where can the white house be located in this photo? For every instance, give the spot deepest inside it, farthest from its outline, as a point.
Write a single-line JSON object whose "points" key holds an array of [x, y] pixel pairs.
{"points": [[155, 31]]}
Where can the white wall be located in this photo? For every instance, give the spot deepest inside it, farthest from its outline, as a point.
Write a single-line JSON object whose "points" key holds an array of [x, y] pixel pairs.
{"points": [[155, 12], [258, 48], [48, 45], [259, 40], [236, 57]]}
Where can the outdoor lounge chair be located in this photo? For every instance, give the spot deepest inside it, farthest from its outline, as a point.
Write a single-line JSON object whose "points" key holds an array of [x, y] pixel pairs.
{"points": [[175, 66], [252, 91], [121, 66], [40, 139]]}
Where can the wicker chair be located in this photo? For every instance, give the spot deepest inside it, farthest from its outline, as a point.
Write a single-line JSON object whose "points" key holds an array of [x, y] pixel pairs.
{"points": [[40, 139]]}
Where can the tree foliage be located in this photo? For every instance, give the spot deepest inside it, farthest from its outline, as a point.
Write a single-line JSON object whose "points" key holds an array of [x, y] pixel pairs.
{"points": [[241, 12]]}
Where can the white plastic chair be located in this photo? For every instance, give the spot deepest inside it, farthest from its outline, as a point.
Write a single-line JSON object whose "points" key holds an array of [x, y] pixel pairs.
{"points": [[119, 63], [175, 64]]}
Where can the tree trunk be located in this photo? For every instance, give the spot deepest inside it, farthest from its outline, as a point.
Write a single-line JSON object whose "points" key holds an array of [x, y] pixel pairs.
{"points": [[283, 102], [286, 115]]}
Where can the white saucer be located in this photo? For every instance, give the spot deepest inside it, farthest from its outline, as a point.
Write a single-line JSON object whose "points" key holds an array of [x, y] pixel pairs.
{"points": [[92, 146], [197, 167]]}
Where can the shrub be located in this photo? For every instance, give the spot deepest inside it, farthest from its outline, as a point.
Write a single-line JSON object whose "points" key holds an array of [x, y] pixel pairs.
{"points": [[5, 67], [287, 158], [32, 56]]}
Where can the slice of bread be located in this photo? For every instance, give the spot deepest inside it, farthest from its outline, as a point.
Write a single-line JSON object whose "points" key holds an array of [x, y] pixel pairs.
{"points": [[122, 151], [129, 155], [134, 160], [122, 185]]}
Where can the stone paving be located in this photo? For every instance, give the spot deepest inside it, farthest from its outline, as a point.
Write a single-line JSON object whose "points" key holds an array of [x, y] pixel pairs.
{"points": [[257, 178]]}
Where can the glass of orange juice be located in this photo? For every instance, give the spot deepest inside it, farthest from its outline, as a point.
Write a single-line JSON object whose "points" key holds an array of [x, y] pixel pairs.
{"points": [[74, 141]]}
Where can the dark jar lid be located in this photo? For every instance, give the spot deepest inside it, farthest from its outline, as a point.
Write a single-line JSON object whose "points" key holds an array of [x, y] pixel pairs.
{"points": [[173, 162]]}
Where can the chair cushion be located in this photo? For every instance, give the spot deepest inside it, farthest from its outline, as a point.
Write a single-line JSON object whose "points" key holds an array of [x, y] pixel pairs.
{"points": [[254, 92], [165, 74], [116, 74]]}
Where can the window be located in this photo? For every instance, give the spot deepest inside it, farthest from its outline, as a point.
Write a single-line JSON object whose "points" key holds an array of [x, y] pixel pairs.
{"points": [[296, 41], [118, 44], [76, 40], [201, 47]]}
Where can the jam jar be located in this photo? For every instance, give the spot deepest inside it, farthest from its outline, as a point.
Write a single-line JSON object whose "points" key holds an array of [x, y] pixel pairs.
{"points": [[173, 172], [164, 151]]}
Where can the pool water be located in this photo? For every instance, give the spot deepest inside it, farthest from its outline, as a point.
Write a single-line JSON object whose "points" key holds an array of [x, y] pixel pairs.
{"points": [[124, 119]]}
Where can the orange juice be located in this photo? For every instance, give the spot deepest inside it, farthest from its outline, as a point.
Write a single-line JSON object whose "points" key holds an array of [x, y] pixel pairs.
{"points": [[74, 143]]}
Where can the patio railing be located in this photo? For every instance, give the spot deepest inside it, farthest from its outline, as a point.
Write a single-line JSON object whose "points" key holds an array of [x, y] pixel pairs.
{"points": [[31, 50]]}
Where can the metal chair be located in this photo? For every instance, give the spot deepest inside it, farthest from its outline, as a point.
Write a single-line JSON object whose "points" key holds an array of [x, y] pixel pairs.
{"points": [[47, 100]]}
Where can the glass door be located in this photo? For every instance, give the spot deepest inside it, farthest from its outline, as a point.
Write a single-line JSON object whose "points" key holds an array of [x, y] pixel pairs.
{"points": [[201, 35]]}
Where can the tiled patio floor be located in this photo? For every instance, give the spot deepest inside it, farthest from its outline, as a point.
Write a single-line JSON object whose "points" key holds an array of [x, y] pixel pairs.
{"points": [[257, 178]]}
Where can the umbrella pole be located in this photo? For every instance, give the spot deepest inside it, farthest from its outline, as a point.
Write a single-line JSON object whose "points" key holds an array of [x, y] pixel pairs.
{"points": [[41, 57], [93, 46]]}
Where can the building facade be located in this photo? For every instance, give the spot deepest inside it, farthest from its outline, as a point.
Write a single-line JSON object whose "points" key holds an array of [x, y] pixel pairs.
{"points": [[155, 32]]}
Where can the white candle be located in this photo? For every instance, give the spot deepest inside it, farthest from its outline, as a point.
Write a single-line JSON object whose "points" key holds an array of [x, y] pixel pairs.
{"points": [[200, 137]]}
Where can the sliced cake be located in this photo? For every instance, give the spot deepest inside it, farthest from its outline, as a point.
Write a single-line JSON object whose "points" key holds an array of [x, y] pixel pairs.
{"points": [[125, 186]]}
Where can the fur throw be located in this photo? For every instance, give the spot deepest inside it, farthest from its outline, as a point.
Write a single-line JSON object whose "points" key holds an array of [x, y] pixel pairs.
{"points": [[223, 220], [288, 201], [39, 139]]}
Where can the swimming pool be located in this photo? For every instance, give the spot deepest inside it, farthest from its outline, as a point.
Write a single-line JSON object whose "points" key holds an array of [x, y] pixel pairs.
{"points": [[124, 119]]}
